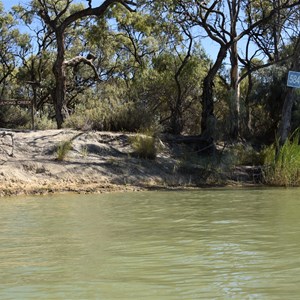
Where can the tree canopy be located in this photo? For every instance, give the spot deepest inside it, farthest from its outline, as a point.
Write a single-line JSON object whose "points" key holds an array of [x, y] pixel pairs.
{"points": [[133, 65]]}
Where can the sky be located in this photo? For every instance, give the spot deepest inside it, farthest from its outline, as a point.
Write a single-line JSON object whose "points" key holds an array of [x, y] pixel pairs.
{"points": [[9, 3]]}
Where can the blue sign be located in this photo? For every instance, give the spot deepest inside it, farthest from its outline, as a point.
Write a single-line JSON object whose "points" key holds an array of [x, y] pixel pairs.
{"points": [[293, 79]]}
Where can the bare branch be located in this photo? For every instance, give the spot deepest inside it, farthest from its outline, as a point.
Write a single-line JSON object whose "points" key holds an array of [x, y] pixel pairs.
{"points": [[80, 59]]}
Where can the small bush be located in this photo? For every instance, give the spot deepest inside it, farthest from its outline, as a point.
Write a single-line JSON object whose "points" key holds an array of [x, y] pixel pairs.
{"points": [[80, 121], [144, 146], [63, 149], [245, 154], [43, 122], [283, 168]]}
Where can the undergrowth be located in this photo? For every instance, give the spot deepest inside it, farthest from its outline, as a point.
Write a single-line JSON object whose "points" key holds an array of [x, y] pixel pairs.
{"points": [[282, 167], [144, 146]]}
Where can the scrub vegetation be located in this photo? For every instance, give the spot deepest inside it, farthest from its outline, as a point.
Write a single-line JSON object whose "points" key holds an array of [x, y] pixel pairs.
{"points": [[282, 164]]}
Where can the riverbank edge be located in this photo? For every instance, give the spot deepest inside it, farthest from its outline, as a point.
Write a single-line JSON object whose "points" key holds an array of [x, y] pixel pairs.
{"points": [[100, 162], [112, 188]]}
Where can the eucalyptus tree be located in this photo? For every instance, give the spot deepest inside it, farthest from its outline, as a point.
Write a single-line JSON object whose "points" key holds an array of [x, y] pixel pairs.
{"points": [[13, 46], [59, 17], [273, 41], [225, 23], [172, 55], [158, 53], [153, 47]]}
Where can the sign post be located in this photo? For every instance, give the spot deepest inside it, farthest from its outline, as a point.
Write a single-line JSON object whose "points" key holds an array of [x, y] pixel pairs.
{"points": [[293, 79]]}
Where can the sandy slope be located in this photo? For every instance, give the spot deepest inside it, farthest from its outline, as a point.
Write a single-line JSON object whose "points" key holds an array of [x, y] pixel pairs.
{"points": [[98, 161]]}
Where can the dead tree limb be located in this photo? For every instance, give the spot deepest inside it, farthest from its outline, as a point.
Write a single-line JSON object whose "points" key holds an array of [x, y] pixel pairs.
{"points": [[74, 62]]}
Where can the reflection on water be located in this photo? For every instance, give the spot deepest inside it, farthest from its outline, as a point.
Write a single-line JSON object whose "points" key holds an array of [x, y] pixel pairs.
{"points": [[207, 244]]}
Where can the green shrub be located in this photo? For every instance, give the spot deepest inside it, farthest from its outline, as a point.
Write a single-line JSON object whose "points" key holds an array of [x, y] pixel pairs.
{"points": [[80, 121], [244, 154], [283, 168], [43, 122], [144, 146], [113, 116], [15, 117], [63, 149]]}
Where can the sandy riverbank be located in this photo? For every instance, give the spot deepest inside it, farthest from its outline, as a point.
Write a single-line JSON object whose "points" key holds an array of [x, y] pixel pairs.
{"points": [[98, 162]]}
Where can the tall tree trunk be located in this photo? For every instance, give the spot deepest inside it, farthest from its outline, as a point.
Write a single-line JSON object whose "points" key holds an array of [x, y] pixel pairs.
{"points": [[176, 109], [248, 116], [207, 101], [234, 95], [60, 79], [285, 126], [176, 120], [234, 73], [286, 116]]}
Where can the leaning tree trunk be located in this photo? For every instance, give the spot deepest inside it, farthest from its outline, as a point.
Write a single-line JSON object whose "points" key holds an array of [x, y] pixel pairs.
{"points": [[285, 126], [176, 120], [60, 80]]}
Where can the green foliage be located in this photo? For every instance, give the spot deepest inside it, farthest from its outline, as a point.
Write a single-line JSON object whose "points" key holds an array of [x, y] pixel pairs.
{"points": [[42, 122], [282, 168], [245, 154], [14, 117], [144, 146], [18, 117], [13, 47], [109, 116], [63, 148]]}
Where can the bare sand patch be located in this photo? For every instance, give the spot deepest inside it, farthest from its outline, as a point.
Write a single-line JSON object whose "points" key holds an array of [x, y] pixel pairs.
{"points": [[97, 162]]}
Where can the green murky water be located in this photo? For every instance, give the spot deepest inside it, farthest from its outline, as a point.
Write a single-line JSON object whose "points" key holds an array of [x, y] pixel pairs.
{"points": [[208, 244]]}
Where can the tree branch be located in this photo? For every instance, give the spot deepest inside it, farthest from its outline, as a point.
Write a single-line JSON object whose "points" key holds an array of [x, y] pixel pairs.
{"points": [[96, 11], [80, 59]]}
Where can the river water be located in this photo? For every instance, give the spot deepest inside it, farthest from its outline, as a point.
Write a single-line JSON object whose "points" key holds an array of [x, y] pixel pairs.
{"points": [[205, 244]]}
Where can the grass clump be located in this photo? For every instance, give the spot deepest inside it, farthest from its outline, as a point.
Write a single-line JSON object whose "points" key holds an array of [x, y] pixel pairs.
{"points": [[63, 149], [282, 167], [144, 146]]}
